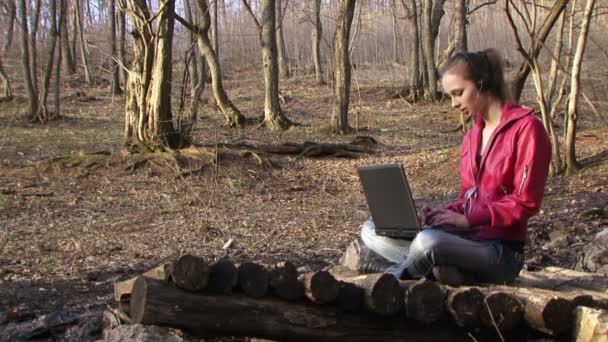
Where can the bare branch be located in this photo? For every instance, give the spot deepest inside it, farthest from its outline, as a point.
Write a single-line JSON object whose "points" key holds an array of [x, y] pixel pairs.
{"points": [[252, 15], [481, 6]]}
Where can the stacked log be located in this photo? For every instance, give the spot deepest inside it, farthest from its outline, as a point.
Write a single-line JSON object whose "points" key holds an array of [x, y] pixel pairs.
{"points": [[334, 302], [156, 302]]}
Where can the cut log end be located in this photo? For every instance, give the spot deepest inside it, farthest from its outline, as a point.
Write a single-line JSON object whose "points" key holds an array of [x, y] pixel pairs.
{"points": [[253, 279], [138, 300], [223, 277], [464, 305], [424, 301], [190, 273], [321, 287], [386, 297], [501, 311]]}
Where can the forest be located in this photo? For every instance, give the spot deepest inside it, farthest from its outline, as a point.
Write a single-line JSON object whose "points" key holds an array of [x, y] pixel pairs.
{"points": [[133, 132]]}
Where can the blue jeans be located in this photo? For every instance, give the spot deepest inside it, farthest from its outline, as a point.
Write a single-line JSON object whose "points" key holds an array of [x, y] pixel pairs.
{"points": [[488, 260]]}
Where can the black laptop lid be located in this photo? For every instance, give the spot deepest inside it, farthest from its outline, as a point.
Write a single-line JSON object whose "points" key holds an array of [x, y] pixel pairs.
{"points": [[389, 198]]}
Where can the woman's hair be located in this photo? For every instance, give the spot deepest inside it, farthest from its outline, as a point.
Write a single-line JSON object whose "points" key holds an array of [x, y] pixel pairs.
{"points": [[484, 68]]}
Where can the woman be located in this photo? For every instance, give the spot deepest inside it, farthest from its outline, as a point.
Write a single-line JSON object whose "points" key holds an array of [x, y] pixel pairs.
{"points": [[504, 162]]}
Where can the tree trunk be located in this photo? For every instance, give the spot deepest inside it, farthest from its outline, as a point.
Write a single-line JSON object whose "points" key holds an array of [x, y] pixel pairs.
{"points": [[43, 112], [342, 70], [6, 83], [68, 55], [12, 13], [459, 40], [429, 51], [273, 115], [555, 61], [394, 22], [113, 58], [73, 42], [517, 84], [148, 119], [571, 163], [197, 79], [214, 29], [122, 42], [281, 50], [83, 43], [234, 118], [32, 94], [154, 302], [62, 21], [412, 19], [33, 44], [316, 42]]}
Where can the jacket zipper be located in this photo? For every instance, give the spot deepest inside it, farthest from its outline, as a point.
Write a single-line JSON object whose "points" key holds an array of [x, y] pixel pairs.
{"points": [[521, 186]]}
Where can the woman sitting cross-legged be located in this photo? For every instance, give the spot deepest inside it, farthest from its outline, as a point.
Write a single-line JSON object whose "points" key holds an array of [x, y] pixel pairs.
{"points": [[504, 162]]}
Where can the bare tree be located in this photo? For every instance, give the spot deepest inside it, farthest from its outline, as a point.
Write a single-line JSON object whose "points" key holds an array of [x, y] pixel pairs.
{"points": [[113, 57], [69, 56], [6, 83], [411, 14], [517, 84], [32, 93], [43, 114], [214, 29], [35, 21], [12, 13], [122, 46], [428, 47], [197, 73], [342, 71], [148, 118], [273, 115], [317, 31], [84, 51], [281, 49], [529, 20], [234, 118], [571, 163], [459, 39]]}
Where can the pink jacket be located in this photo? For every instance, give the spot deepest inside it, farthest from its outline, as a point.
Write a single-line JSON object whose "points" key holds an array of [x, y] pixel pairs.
{"points": [[507, 186]]}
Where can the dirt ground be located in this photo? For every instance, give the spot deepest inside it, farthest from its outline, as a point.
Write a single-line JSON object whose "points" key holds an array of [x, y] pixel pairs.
{"points": [[78, 214]]}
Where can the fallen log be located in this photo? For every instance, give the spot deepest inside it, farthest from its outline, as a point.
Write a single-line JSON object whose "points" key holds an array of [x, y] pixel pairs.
{"points": [[382, 293], [284, 281], [158, 303], [223, 277], [561, 279], [321, 287], [423, 300], [123, 289], [253, 279], [190, 273]]}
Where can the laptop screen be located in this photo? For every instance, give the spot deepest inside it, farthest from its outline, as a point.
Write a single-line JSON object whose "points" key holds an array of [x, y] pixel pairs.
{"points": [[389, 197]]}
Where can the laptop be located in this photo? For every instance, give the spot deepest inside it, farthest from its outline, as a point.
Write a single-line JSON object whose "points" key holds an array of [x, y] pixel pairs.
{"points": [[390, 200]]}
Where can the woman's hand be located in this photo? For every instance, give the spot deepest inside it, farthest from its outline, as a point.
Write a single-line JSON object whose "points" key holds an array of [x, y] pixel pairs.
{"points": [[425, 211], [443, 217]]}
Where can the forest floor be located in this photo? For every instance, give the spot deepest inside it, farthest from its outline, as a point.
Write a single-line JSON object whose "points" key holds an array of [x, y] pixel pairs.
{"points": [[78, 213]]}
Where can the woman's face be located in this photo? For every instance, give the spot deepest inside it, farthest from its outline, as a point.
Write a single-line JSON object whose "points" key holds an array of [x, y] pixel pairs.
{"points": [[464, 93]]}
